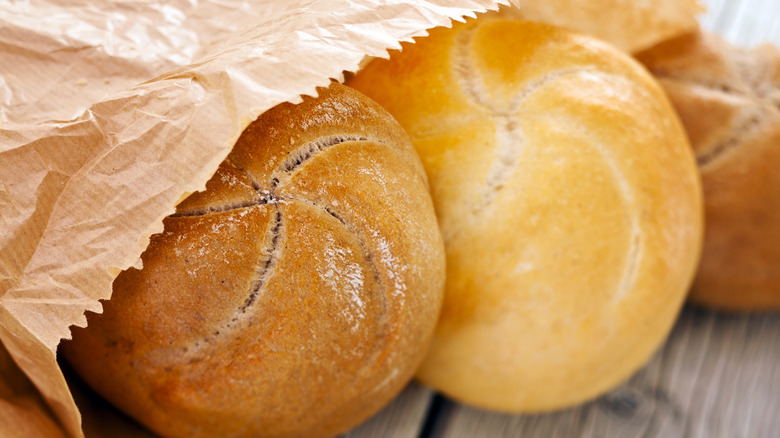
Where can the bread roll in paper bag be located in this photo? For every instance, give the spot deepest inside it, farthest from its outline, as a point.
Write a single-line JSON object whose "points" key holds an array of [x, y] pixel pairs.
{"points": [[110, 114]]}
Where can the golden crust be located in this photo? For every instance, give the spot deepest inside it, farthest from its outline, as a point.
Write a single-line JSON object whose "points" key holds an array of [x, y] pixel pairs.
{"points": [[294, 297], [569, 203], [729, 101]]}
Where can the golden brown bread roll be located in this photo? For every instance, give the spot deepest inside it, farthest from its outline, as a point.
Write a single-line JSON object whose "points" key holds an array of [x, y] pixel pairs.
{"points": [[294, 297], [569, 203], [729, 101]]}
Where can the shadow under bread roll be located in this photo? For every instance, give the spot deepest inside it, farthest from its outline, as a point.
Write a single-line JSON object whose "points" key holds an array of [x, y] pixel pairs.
{"points": [[294, 297], [569, 203], [729, 101]]}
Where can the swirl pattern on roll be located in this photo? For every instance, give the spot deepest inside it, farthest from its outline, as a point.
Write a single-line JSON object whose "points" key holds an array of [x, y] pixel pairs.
{"points": [[569, 203], [295, 296]]}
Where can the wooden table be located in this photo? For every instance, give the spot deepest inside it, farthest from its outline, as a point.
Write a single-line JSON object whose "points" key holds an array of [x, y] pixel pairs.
{"points": [[717, 375]]}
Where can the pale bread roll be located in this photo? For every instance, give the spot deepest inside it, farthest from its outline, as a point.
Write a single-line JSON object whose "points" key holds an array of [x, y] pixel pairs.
{"points": [[569, 202], [729, 101], [294, 297]]}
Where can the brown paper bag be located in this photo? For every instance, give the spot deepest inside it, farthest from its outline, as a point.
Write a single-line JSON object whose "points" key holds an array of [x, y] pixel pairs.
{"points": [[111, 114]]}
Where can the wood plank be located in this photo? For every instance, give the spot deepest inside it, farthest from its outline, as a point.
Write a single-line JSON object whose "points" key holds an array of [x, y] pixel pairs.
{"points": [[403, 418], [717, 376]]}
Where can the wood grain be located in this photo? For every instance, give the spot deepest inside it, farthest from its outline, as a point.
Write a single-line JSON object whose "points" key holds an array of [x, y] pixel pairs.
{"points": [[403, 418], [717, 376]]}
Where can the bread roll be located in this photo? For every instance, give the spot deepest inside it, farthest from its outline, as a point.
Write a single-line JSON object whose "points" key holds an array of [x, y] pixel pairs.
{"points": [[569, 203], [294, 297], [729, 101]]}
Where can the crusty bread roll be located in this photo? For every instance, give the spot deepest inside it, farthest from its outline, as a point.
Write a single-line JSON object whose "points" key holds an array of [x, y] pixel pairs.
{"points": [[294, 297], [568, 199], [729, 102]]}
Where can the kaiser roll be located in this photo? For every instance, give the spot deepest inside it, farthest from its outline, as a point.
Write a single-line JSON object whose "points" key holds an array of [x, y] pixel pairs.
{"points": [[569, 202], [729, 102], [294, 297]]}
